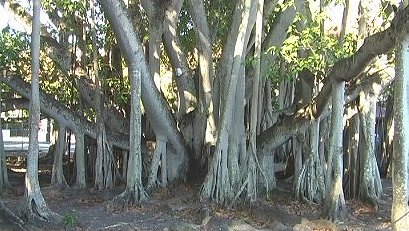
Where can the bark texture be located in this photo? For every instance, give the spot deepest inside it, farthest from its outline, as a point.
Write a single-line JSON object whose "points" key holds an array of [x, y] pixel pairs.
{"points": [[400, 175], [134, 191], [222, 181], [370, 187], [334, 199], [34, 205], [57, 177]]}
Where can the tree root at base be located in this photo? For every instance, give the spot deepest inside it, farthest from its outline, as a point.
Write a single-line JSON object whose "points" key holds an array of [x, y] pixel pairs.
{"points": [[335, 211], [128, 198], [9, 217], [39, 211], [309, 186]]}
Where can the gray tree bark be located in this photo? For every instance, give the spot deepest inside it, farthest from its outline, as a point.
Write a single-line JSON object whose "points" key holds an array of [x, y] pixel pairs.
{"points": [[134, 191], [254, 167], [156, 108], [57, 175], [4, 179], [335, 206], [352, 156], [80, 160], [370, 186], [204, 47], [34, 204], [221, 183], [400, 175]]}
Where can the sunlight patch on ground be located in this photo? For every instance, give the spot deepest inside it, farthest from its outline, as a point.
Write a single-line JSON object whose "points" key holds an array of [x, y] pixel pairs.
{"points": [[119, 224], [23, 170]]}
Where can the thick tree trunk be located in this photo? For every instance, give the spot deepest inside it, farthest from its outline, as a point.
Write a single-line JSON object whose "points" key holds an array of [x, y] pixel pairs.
{"points": [[334, 199], [352, 137], [34, 205], [204, 47], [253, 165], [104, 161], [221, 183], [400, 175], [134, 191], [178, 59], [156, 108], [80, 160], [158, 160], [310, 183], [57, 176], [370, 186]]}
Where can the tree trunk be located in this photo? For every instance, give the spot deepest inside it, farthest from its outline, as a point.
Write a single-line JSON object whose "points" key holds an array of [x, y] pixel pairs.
{"points": [[104, 161], [344, 22], [253, 164], [57, 176], [370, 187], [352, 138], [178, 59], [134, 191], [400, 175], [4, 179], [334, 199], [310, 183], [204, 47], [34, 205], [158, 160], [220, 184], [80, 160], [156, 108]]}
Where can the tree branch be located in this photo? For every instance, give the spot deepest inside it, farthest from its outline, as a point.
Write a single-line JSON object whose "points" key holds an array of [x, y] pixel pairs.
{"points": [[63, 115], [345, 70]]}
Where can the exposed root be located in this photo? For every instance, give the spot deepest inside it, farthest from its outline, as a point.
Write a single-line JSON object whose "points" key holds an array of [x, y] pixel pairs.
{"points": [[9, 217], [309, 186], [335, 211], [39, 211], [370, 200], [128, 198]]}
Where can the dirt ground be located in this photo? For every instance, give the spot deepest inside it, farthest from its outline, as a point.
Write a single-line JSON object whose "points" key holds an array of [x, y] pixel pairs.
{"points": [[179, 209]]}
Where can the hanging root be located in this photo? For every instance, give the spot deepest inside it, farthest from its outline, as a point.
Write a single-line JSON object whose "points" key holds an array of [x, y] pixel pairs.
{"points": [[158, 160]]}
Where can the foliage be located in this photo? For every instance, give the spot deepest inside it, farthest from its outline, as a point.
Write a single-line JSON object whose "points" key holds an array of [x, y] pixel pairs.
{"points": [[15, 50], [118, 91], [322, 50], [70, 219], [219, 16], [185, 30]]}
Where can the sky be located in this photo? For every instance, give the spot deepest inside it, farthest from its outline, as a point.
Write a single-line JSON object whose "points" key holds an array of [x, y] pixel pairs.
{"points": [[6, 18]]}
